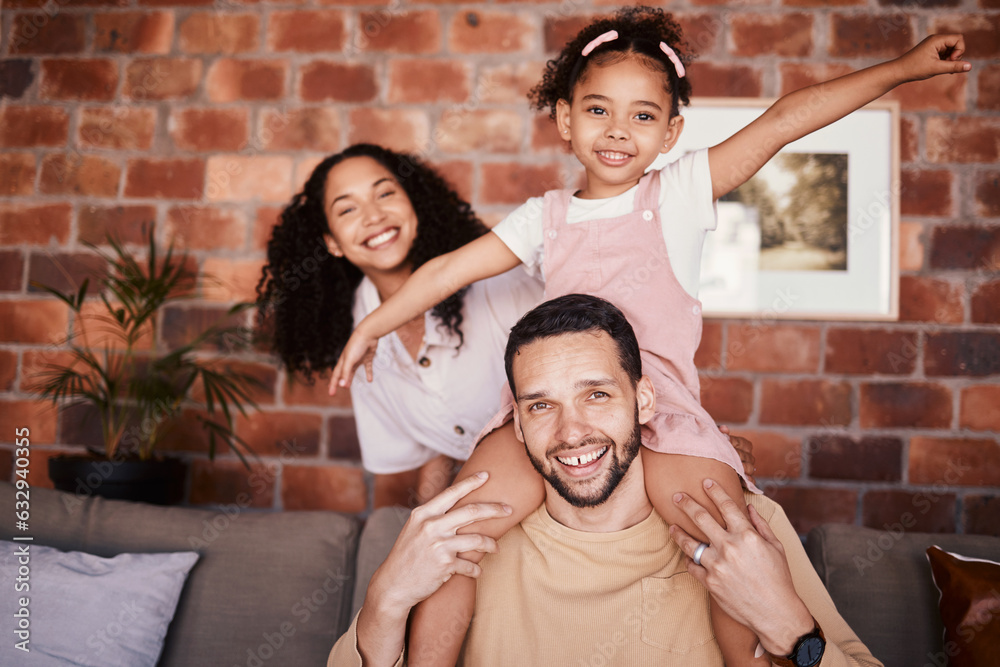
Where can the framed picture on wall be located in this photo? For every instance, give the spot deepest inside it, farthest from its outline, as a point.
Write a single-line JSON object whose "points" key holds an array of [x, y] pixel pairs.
{"points": [[814, 234]]}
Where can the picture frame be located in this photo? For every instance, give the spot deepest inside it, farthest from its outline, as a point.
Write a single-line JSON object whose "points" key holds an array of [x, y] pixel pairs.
{"points": [[815, 234]]}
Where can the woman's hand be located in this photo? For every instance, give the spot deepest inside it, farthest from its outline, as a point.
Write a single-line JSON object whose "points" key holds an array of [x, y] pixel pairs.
{"points": [[745, 570], [937, 54], [744, 448], [360, 349]]}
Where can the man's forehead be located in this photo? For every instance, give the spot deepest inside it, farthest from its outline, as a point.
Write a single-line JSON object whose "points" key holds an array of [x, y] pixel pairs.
{"points": [[564, 358]]}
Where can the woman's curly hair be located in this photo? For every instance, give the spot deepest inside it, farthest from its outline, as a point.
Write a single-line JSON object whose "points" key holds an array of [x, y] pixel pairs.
{"points": [[640, 31], [305, 295]]}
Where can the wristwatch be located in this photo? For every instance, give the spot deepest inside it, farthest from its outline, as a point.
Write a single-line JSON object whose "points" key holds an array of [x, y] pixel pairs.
{"points": [[808, 650]]}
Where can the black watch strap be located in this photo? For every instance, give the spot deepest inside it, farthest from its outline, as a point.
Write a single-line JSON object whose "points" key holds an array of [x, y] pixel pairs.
{"points": [[807, 652]]}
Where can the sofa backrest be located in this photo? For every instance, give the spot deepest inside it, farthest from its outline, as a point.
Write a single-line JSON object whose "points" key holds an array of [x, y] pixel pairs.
{"points": [[881, 582], [262, 579]]}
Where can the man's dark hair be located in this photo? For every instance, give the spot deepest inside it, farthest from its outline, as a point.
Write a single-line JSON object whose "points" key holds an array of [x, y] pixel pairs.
{"points": [[574, 313]]}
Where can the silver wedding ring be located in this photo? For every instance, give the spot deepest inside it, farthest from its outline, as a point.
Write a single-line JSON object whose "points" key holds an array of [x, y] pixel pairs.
{"points": [[698, 553]]}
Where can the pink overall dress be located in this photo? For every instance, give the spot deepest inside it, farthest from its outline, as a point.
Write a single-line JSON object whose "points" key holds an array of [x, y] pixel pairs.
{"points": [[624, 260]]}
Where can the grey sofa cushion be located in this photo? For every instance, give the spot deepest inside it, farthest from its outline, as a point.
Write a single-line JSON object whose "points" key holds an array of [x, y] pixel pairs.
{"points": [[881, 583], [377, 538], [271, 588]]}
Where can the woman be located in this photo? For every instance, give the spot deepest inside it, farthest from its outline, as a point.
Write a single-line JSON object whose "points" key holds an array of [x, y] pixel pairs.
{"points": [[364, 221]]}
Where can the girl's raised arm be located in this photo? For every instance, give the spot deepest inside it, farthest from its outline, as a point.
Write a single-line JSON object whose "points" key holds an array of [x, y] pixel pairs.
{"points": [[797, 114], [432, 283]]}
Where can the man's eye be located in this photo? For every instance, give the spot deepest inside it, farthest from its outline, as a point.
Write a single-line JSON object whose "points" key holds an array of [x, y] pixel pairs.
{"points": [[599, 394], [535, 407]]}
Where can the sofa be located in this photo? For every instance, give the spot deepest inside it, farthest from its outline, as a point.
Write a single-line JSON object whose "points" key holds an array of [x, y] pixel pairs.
{"points": [[278, 588]]}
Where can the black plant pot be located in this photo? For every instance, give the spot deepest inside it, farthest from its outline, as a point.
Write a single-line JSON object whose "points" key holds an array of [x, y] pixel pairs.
{"points": [[157, 481]]}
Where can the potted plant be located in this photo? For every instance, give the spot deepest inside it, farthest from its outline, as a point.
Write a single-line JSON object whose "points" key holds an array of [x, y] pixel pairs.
{"points": [[134, 386]]}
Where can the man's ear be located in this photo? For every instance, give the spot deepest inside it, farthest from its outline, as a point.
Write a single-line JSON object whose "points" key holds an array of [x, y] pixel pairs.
{"points": [[645, 397], [674, 129], [332, 245], [562, 119], [517, 426]]}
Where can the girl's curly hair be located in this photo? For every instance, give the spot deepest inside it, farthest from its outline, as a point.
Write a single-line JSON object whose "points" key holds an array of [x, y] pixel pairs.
{"points": [[305, 294], [640, 31]]}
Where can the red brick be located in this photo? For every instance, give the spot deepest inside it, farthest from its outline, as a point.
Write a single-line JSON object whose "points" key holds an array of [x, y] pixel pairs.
{"points": [[709, 353], [788, 35], [909, 405], [795, 76], [458, 174], [701, 31], [217, 32], [401, 130], [33, 321], [911, 246], [980, 30], [332, 488], [64, 271], [165, 178], [928, 300], [87, 175], [180, 325], [986, 304], [208, 129], [419, 80], [870, 351], [342, 439], [909, 140], [507, 83], [979, 410], [724, 80], [267, 218], [134, 32], [955, 461], [514, 183], [162, 79], [942, 93], [560, 29], [186, 433], [206, 228], [805, 402], [11, 271], [965, 141], [34, 224], [230, 483], [36, 4], [545, 135], [403, 32], [234, 279], [962, 353], [870, 36], [982, 515], [965, 248], [988, 84], [233, 80], [93, 79], [310, 129], [17, 174], [762, 347], [16, 76], [8, 371], [297, 391], [778, 456], [987, 200], [7, 464], [47, 33], [810, 507], [274, 433], [487, 131], [305, 31], [119, 127], [338, 82], [917, 511], [926, 192], [266, 375], [491, 32], [727, 399], [130, 224], [245, 178], [303, 170], [38, 417], [875, 459]]}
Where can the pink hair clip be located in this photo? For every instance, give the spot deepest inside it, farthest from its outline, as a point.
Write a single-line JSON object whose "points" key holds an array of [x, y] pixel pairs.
{"points": [[609, 36], [678, 65]]}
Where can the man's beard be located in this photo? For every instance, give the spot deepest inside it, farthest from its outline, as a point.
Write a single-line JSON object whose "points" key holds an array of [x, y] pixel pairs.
{"points": [[613, 476]]}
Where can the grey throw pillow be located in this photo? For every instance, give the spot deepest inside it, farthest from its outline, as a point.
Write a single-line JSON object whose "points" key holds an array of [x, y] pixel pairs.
{"points": [[73, 608]]}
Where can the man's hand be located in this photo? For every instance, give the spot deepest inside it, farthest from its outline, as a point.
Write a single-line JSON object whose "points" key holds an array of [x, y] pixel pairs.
{"points": [[744, 448], [745, 570]]}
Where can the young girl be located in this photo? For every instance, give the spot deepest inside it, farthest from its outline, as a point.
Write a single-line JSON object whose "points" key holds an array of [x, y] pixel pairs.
{"points": [[634, 238]]}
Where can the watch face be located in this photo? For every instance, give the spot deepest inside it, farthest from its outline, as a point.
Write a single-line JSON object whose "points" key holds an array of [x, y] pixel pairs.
{"points": [[809, 652]]}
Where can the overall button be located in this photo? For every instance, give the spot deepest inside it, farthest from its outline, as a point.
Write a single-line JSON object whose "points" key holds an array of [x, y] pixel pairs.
{"points": [[424, 361], [552, 233], [695, 309], [459, 430], [647, 215]]}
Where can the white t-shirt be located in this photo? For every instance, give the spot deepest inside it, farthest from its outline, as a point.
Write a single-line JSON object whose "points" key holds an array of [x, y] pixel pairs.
{"points": [[414, 411], [687, 211]]}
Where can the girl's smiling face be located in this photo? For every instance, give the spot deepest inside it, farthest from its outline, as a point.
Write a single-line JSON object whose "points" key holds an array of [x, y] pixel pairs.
{"points": [[372, 222], [617, 123]]}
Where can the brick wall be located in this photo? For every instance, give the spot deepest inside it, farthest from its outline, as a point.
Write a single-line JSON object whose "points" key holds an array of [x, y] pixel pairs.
{"points": [[207, 117]]}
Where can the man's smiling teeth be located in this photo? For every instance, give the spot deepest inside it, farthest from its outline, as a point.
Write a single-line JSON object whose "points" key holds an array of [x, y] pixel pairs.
{"points": [[582, 460], [614, 155], [381, 238]]}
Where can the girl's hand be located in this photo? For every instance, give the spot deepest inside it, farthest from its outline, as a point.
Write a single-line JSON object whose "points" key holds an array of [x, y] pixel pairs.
{"points": [[937, 54], [360, 349], [744, 448]]}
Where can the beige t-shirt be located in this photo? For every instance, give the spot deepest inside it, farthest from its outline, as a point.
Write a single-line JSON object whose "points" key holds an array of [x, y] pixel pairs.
{"points": [[557, 596]]}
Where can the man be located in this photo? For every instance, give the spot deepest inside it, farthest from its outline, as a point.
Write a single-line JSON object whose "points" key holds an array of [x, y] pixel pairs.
{"points": [[594, 576]]}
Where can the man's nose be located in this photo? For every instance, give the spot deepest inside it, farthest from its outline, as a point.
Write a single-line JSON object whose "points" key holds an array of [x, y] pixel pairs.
{"points": [[573, 427]]}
